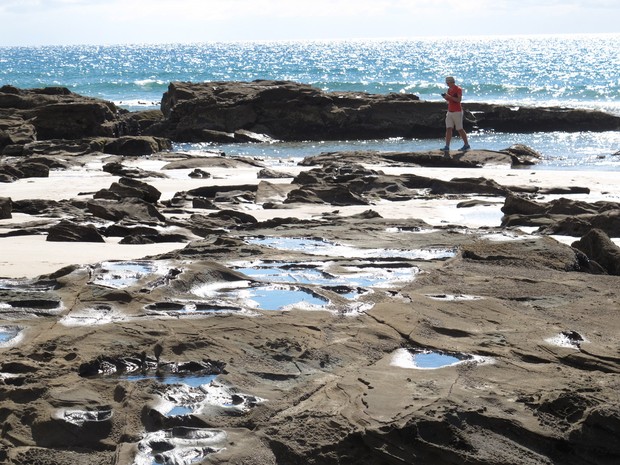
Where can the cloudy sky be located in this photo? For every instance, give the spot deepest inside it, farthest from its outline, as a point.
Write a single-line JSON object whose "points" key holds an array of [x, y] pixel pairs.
{"points": [[56, 22]]}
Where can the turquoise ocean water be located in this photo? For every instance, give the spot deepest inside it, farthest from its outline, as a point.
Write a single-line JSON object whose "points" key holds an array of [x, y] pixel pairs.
{"points": [[581, 71]]}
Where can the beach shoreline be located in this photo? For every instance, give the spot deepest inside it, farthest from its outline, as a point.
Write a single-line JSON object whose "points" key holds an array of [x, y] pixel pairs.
{"points": [[31, 256]]}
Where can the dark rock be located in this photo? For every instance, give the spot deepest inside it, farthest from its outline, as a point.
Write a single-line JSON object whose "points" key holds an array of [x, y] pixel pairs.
{"points": [[525, 119], [267, 173], [199, 174], [563, 216], [284, 110], [6, 206], [128, 209], [119, 230], [221, 192], [432, 158], [74, 120], [30, 169], [51, 208], [515, 204], [467, 186], [130, 188], [234, 217], [66, 231], [15, 132], [523, 155], [215, 160], [242, 135], [135, 123], [542, 253], [136, 145], [155, 238], [200, 202], [600, 248], [23, 169], [334, 195], [63, 147], [6, 177], [118, 169], [137, 239]]}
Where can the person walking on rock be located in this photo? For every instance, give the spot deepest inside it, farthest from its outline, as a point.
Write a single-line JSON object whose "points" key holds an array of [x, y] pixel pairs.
{"points": [[454, 116]]}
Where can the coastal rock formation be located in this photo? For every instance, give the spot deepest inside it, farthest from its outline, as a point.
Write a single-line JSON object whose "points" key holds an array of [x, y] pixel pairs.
{"points": [[283, 110], [51, 119], [55, 113], [340, 336]]}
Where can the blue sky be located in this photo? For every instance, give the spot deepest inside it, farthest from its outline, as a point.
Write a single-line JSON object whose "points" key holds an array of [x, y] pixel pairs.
{"points": [[60, 22]]}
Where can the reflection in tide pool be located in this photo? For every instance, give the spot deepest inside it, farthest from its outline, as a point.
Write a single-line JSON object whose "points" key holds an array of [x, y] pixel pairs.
{"points": [[315, 246], [363, 276], [431, 360], [9, 335], [180, 410], [434, 360], [193, 380], [124, 273], [276, 297], [179, 446]]}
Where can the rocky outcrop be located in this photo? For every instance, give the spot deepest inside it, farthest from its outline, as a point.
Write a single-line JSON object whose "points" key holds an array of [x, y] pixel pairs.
{"points": [[283, 110], [55, 120], [258, 111], [344, 181], [563, 216], [57, 113]]}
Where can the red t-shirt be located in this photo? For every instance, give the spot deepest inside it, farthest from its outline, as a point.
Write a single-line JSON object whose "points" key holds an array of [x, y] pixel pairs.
{"points": [[455, 91]]}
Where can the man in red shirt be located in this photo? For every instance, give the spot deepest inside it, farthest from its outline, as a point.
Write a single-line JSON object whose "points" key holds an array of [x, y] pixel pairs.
{"points": [[454, 117]]}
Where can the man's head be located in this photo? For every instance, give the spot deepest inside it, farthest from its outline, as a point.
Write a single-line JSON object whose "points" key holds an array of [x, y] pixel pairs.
{"points": [[450, 80]]}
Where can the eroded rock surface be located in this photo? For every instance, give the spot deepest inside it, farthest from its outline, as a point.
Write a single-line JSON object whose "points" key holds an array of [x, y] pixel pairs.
{"points": [[180, 357]]}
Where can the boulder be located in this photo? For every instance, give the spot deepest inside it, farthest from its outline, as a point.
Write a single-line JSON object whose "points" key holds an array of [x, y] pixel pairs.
{"points": [[136, 145], [130, 188], [600, 248], [30, 169], [67, 231]]}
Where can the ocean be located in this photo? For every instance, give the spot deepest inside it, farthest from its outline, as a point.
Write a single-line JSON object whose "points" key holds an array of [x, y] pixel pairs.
{"points": [[577, 71]]}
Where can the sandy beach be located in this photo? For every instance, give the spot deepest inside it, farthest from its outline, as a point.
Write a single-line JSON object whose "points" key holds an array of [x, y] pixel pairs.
{"points": [[31, 256]]}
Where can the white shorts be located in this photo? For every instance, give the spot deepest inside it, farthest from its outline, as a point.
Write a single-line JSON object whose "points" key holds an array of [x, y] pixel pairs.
{"points": [[454, 119]]}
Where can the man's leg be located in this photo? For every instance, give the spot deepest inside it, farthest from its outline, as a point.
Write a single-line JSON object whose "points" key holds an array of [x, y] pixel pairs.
{"points": [[448, 136], [464, 136]]}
